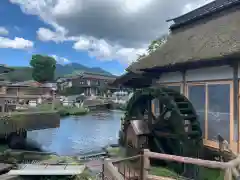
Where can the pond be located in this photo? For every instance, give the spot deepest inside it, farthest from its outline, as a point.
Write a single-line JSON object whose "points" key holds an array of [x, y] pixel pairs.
{"points": [[80, 134]]}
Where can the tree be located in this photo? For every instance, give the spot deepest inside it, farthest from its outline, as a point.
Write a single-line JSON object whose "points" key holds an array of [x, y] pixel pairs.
{"points": [[157, 44], [43, 68]]}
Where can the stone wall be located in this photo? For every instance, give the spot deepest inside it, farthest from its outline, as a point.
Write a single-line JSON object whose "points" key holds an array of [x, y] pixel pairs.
{"points": [[28, 121]]}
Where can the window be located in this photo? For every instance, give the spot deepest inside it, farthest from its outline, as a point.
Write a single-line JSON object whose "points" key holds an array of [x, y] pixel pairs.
{"points": [[218, 111], [88, 82], [197, 96]]}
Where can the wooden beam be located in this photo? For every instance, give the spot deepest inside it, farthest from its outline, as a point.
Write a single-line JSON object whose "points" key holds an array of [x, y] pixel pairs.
{"points": [[235, 102], [184, 82], [187, 160]]}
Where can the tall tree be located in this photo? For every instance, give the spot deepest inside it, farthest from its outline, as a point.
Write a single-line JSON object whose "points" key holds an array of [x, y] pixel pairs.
{"points": [[43, 68]]}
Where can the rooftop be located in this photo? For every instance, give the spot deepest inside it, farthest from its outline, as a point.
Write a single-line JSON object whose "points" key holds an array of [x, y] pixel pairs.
{"points": [[214, 40], [85, 74], [32, 83], [206, 10]]}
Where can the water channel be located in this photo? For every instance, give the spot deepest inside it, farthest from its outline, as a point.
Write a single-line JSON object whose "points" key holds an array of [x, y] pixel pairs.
{"points": [[80, 134]]}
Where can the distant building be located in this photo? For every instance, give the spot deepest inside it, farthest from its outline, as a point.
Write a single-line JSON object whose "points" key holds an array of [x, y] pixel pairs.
{"points": [[3, 69], [27, 92], [91, 84]]}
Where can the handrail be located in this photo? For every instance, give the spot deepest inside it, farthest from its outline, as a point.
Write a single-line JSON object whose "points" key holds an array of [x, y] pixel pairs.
{"points": [[231, 168], [113, 170], [188, 160], [127, 159]]}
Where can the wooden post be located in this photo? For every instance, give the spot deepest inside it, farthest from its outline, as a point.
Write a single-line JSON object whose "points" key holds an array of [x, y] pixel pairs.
{"points": [[141, 170], [53, 100], [228, 174], [103, 168], [146, 165]]}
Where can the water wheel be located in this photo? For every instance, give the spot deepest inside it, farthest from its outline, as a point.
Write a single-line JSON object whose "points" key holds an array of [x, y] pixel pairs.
{"points": [[174, 130]]}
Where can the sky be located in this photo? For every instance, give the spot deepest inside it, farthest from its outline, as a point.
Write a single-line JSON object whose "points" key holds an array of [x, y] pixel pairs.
{"points": [[109, 34]]}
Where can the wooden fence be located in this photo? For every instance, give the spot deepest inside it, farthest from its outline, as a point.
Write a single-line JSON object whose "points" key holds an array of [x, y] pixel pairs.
{"points": [[122, 170]]}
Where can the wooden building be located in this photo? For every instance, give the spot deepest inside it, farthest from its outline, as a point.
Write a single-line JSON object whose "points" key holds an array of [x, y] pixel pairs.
{"points": [[27, 92], [87, 83], [3, 69], [137, 137], [201, 59]]}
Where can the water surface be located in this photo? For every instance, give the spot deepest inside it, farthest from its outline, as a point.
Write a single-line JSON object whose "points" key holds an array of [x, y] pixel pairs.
{"points": [[80, 134]]}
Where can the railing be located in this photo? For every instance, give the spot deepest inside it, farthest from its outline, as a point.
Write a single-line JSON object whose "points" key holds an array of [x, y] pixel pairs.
{"points": [[123, 170]]}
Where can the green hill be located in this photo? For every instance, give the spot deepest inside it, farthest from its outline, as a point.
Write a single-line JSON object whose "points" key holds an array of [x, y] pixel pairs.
{"points": [[25, 73]]}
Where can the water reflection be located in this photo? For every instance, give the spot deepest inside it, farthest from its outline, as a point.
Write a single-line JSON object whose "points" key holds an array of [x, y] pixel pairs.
{"points": [[77, 135]]}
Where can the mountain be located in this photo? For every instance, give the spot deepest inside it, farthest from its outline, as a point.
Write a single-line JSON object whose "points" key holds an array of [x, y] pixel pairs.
{"points": [[25, 73], [19, 74], [62, 70]]}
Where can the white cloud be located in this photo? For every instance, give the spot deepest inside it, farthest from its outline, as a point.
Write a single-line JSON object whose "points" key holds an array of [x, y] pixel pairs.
{"points": [[3, 31], [107, 29], [48, 35], [60, 60], [106, 51], [16, 43]]}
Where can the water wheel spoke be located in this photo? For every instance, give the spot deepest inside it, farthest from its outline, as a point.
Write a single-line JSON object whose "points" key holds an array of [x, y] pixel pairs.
{"points": [[161, 117], [172, 129]]}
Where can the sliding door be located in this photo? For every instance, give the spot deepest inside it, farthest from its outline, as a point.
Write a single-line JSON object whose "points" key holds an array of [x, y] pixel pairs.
{"points": [[214, 106]]}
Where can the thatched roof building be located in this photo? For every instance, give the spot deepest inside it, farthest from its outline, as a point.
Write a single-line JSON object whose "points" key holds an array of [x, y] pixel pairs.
{"points": [[201, 58], [210, 33]]}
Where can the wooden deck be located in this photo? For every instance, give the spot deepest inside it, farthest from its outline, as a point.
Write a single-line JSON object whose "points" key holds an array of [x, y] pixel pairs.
{"points": [[151, 177], [47, 170]]}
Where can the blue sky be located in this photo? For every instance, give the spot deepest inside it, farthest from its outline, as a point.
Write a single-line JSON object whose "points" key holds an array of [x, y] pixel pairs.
{"points": [[19, 24], [96, 33]]}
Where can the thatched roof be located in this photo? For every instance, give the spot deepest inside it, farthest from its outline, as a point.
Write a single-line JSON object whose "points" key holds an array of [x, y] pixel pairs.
{"points": [[130, 79], [213, 38]]}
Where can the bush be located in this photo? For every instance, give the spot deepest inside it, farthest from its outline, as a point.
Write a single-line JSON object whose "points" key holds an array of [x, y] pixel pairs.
{"points": [[64, 111]]}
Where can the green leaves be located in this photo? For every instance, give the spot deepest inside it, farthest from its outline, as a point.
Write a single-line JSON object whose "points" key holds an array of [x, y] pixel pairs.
{"points": [[43, 68]]}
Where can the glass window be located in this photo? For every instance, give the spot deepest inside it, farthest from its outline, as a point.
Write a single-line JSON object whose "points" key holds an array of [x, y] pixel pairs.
{"points": [[218, 111], [175, 88], [155, 110], [197, 94]]}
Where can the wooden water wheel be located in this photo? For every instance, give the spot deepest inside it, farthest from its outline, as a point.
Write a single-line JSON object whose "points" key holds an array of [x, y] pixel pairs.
{"points": [[174, 130]]}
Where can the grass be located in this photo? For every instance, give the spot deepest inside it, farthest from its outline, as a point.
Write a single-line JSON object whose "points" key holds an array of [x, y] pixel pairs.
{"points": [[209, 174], [116, 151], [64, 111], [160, 171], [204, 174], [61, 159]]}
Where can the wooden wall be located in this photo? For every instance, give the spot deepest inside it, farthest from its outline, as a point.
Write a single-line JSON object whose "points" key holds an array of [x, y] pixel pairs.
{"points": [[211, 92]]}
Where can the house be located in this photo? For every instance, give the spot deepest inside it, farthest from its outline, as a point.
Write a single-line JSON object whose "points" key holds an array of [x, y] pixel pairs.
{"points": [[201, 59], [136, 137], [74, 100], [3, 69], [27, 92], [87, 83]]}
